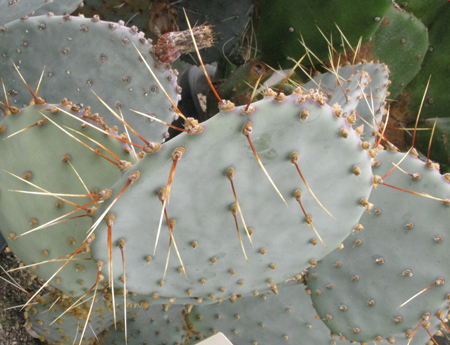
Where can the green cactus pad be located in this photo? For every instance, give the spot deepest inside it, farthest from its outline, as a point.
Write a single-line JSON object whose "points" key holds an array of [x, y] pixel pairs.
{"points": [[401, 42], [83, 55], [425, 10], [36, 154], [282, 22], [202, 195], [435, 65], [283, 318], [399, 252]]}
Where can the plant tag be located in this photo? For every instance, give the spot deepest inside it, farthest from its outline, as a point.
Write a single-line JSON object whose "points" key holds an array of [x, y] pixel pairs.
{"points": [[216, 339]]}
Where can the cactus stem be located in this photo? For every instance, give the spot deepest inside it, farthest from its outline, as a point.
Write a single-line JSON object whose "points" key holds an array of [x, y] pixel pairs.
{"points": [[420, 111], [120, 119], [437, 282], [294, 161], [230, 175], [234, 211], [161, 87], [297, 196], [40, 122], [200, 58], [177, 154], [153, 117], [247, 130]]}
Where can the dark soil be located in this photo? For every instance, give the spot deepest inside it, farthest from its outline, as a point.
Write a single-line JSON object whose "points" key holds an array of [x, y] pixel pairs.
{"points": [[12, 330]]}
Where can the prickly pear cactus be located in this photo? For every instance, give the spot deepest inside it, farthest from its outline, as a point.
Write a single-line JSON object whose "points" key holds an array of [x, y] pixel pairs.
{"points": [[115, 72], [209, 247], [53, 162], [214, 230], [284, 316], [382, 258]]}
